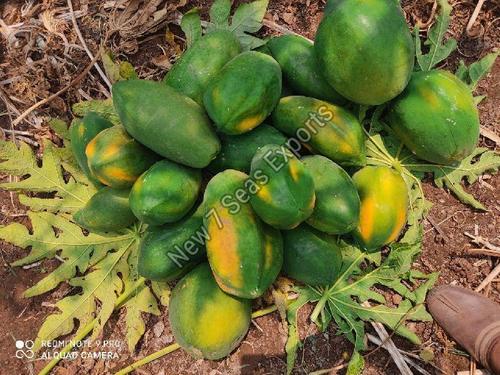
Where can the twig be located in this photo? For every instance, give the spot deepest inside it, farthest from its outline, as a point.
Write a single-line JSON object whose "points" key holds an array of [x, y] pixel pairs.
{"points": [[478, 240], [437, 228], [282, 29], [23, 115], [487, 252], [404, 355], [87, 50], [493, 274], [474, 15]]}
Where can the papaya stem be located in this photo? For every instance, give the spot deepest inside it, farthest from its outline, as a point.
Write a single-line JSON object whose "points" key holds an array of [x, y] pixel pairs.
{"points": [[150, 358], [89, 327], [320, 305], [173, 347]]}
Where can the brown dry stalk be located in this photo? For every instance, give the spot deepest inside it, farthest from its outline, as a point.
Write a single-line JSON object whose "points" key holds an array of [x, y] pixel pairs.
{"points": [[78, 78]]}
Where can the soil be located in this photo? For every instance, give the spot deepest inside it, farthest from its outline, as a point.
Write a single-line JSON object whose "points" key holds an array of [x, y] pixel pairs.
{"points": [[262, 352]]}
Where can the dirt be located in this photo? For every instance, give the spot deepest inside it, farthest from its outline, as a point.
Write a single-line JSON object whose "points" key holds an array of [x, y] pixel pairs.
{"points": [[262, 352]]}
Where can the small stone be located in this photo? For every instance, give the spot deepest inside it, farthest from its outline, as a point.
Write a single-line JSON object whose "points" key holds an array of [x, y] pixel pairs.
{"points": [[158, 329]]}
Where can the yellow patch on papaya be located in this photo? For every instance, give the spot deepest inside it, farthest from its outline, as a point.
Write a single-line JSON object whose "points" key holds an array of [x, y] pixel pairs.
{"points": [[265, 194], [111, 151], [367, 218], [249, 123], [81, 130], [222, 248], [345, 148], [215, 321], [90, 149], [119, 174], [398, 226], [430, 97], [293, 168]]}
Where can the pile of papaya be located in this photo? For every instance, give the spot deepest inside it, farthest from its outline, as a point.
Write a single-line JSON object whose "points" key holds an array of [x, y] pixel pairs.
{"points": [[244, 165]]}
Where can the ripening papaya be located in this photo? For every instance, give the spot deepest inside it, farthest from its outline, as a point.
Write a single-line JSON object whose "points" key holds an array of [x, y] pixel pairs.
{"points": [[244, 93], [436, 117], [310, 256], [287, 198], [384, 206], [165, 193], [325, 128], [167, 122], [107, 211], [205, 321], [365, 50], [81, 132], [301, 71], [191, 74], [245, 254], [337, 200], [238, 150], [116, 159], [169, 251]]}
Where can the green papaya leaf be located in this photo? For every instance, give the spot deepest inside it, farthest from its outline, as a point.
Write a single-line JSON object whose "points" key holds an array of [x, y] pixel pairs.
{"points": [[247, 19], [191, 26], [437, 50], [219, 13]]}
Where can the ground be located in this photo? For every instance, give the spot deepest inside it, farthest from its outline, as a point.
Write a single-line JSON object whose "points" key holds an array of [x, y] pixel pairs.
{"points": [[39, 57]]}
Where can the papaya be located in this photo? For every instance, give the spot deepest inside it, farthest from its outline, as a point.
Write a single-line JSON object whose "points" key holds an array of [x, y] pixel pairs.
{"points": [[244, 93], [169, 251], [310, 256], [365, 50], [287, 198], [238, 150], [107, 211], [337, 200], [169, 123], [323, 127], [436, 118], [245, 255], [191, 74], [81, 132], [116, 159], [384, 206], [206, 322], [165, 193], [301, 71]]}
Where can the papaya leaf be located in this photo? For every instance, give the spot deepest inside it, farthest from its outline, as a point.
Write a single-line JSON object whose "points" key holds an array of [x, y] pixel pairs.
{"points": [[293, 342], [220, 12], [100, 286], [356, 364], [479, 162], [191, 26], [247, 19], [161, 291], [116, 70], [77, 251], [60, 127], [68, 196], [437, 50], [103, 108], [473, 73]]}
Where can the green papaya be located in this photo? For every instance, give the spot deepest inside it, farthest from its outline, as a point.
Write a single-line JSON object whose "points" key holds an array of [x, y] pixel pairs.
{"points": [[337, 200], [81, 132], [325, 128], [167, 252], [244, 93], [238, 150], [205, 321], [165, 193], [436, 118], [116, 159], [384, 206], [287, 198], [245, 255], [365, 50], [170, 124], [107, 211], [310, 256], [191, 74], [301, 70]]}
